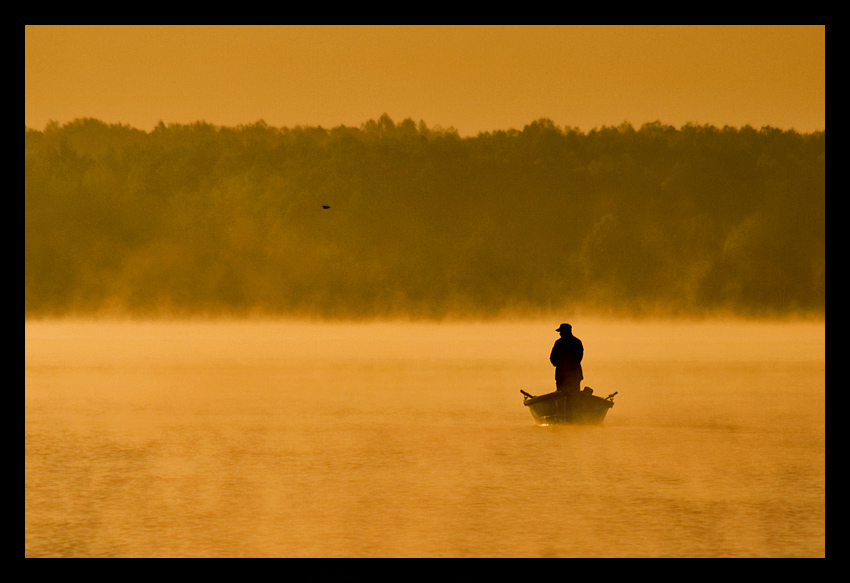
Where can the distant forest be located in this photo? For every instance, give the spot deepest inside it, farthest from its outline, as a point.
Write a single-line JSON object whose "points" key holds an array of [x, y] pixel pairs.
{"points": [[421, 222]]}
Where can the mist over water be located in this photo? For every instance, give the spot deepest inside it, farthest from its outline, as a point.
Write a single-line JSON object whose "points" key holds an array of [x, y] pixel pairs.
{"points": [[297, 438], [391, 281]]}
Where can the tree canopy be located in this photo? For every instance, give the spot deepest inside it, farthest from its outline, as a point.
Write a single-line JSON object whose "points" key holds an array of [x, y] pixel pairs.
{"points": [[422, 222]]}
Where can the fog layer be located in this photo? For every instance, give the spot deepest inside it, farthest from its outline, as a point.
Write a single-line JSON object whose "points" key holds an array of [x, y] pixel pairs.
{"points": [[420, 222]]}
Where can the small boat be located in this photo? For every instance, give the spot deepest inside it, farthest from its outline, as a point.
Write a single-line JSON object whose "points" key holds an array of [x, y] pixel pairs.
{"points": [[560, 407]]}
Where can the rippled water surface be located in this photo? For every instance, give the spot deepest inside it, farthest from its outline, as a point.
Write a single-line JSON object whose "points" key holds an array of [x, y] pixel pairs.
{"points": [[358, 440]]}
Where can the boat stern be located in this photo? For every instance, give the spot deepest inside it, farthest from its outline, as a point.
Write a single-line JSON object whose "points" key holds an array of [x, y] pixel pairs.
{"points": [[577, 408]]}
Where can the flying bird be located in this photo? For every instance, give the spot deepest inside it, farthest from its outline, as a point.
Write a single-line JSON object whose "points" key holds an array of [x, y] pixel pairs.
{"points": [[325, 207]]}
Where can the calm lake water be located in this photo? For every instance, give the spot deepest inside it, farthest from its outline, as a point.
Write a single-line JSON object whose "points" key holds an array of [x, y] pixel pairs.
{"points": [[360, 440]]}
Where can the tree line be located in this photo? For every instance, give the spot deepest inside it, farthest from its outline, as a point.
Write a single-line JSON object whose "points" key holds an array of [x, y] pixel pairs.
{"points": [[195, 218]]}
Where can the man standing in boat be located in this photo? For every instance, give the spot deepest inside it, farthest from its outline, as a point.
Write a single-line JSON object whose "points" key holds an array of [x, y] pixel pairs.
{"points": [[566, 358]]}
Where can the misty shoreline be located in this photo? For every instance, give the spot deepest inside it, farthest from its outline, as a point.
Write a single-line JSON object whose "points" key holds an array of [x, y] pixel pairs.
{"points": [[421, 224]]}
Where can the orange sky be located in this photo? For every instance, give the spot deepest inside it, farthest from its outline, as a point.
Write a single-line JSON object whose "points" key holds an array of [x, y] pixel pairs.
{"points": [[470, 78]]}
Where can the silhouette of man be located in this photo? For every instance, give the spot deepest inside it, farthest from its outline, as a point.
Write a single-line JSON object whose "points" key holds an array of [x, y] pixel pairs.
{"points": [[566, 358]]}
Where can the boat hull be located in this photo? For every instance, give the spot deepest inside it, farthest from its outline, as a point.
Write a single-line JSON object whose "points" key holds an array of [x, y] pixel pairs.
{"points": [[577, 408]]}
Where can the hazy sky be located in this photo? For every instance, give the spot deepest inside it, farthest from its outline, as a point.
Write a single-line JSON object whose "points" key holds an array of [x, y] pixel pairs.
{"points": [[473, 78]]}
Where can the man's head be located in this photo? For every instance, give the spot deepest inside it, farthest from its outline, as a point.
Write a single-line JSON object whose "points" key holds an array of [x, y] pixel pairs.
{"points": [[565, 330]]}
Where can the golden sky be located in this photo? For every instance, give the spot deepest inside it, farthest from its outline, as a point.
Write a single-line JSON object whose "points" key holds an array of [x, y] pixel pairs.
{"points": [[472, 78]]}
